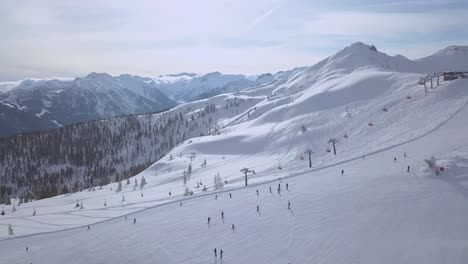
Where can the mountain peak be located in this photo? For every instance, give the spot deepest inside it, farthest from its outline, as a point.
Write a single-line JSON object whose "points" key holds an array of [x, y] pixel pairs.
{"points": [[95, 75], [453, 50]]}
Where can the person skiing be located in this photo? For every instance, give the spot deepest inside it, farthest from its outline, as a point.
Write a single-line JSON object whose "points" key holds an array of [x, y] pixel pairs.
{"points": [[407, 170], [289, 205], [170, 193], [342, 172], [89, 227], [216, 197], [209, 219], [180, 204], [404, 154], [279, 186], [258, 208], [230, 195], [215, 252], [287, 186], [257, 192], [221, 253], [233, 227], [394, 159], [27, 248], [270, 189], [222, 214], [134, 220]]}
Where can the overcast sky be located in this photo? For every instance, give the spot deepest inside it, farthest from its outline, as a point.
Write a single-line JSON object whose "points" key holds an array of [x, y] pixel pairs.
{"points": [[72, 38]]}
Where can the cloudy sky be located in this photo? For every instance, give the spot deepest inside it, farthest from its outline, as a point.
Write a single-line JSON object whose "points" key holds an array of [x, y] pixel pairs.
{"points": [[72, 38]]}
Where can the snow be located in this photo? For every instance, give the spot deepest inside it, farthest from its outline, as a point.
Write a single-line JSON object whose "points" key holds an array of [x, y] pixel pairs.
{"points": [[56, 123], [376, 212], [43, 111], [6, 86]]}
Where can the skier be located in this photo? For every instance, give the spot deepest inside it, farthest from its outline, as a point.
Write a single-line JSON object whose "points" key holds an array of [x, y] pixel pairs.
{"points": [[180, 204], [289, 205], [209, 219], [134, 220], [279, 186], [89, 227], [233, 227], [404, 154], [394, 159], [342, 172], [258, 208], [270, 189], [222, 214], [170, 193], [216, 197], [230, 195], [215, 252], [27, 248], [125, 218], [407, 170], [257, 192], [287, 186], [221, 253]]}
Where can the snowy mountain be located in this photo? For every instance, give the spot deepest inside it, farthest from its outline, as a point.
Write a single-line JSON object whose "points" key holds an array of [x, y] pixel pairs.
{"points": [[451, 58], [43, 104], [376, 201], [185, 87]]}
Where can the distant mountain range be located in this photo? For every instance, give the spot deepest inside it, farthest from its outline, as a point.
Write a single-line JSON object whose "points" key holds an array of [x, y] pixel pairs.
{"points": [[33, 105], [43, 104], [40, 104]]}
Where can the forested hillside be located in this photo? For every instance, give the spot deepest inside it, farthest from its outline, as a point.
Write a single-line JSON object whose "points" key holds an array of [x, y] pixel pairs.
{"points": [[92, 154]]}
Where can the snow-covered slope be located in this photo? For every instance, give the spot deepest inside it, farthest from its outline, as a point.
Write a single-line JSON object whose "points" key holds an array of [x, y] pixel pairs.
{"points": [[41, 104], [451, 58], [376, 212]]}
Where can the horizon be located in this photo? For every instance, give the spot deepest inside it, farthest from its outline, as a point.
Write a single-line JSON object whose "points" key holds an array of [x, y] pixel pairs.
{"points": [[161, 37]]}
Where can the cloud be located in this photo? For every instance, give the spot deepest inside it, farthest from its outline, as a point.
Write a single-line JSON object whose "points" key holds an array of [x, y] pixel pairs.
{"points": [[386, 24], [258, 20], [72, 38]]}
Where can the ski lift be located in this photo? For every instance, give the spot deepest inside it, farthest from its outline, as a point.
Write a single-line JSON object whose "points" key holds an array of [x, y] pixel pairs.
{"points": [[408, 97], [328, 150], [385, 109], [370, 124]]}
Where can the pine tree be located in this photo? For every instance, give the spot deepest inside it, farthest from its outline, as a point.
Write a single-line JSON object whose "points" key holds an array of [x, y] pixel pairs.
{"points": [[142, 182], [218, 182], [119, 187], [189, 169]]}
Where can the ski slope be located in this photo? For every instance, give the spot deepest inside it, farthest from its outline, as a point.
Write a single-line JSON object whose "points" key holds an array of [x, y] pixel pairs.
{"points": [[376, 212]]}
